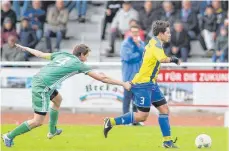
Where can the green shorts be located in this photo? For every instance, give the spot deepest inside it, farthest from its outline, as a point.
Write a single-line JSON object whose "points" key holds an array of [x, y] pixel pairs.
{"points": [[40, 95]]}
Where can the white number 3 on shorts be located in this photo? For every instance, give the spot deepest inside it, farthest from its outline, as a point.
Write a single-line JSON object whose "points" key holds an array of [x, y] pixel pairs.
{"points": [[142, 100]]}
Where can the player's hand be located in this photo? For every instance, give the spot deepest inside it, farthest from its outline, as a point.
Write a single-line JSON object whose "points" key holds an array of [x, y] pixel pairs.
{"points": [[17, 45], [127, 85], [20, 46], [175, 60]]}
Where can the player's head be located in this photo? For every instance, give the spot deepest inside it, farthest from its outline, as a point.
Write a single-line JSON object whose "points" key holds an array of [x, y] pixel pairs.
{"points": [[81, 51], [161, 30]]}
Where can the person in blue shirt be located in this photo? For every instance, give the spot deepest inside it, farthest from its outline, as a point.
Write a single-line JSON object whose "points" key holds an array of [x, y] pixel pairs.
{"points": [[132, 50], [36, 18]]}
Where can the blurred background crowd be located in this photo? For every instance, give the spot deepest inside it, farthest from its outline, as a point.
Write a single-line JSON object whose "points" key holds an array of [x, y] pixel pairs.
{"points": [[53, 26]]}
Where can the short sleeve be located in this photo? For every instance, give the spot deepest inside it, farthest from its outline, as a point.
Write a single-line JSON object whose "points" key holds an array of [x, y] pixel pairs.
{"points": [[159, 54], [84, 68], [156, 50], [55, 54]]}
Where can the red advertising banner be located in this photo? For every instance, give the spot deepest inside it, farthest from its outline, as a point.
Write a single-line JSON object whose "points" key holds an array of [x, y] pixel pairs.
{"points": [[193, 76]]}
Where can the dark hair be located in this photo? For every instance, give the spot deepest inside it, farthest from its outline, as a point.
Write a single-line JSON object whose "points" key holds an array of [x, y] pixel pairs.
{"points": [[81, 49], [159, 26], [126, 2], [133, 20], [135, 26]]}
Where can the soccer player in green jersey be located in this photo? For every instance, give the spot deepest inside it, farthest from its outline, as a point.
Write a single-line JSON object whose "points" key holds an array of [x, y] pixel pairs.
{"points": [[44, 84]]}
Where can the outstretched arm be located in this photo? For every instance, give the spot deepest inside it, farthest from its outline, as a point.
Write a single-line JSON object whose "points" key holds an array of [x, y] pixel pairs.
{"points": [[36, 53], [161, 57], [171, 60], [104, 78]]}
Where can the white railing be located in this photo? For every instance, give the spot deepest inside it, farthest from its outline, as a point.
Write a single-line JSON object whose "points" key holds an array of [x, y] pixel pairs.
{"points": [[109, 64]]}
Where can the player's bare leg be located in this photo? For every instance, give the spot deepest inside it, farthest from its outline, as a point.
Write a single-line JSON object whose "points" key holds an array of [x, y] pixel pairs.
{"points": [[54, 112], [128, 118], [163, 120], [23, 128]]}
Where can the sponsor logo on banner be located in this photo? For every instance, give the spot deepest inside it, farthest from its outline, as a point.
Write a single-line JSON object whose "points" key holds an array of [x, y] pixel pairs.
{"points": [[180, 87], [98, 90], [193, 76]]}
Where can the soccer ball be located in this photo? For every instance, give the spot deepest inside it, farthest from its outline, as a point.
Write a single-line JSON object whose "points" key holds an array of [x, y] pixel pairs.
{"points": [[203, 141]]}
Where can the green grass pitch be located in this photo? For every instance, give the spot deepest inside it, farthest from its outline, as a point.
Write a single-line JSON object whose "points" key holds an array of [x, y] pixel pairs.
{"points": [[123, 138]]}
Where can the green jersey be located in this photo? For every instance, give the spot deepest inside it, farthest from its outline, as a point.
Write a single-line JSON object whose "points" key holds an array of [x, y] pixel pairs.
{"points": [[62, 66]]}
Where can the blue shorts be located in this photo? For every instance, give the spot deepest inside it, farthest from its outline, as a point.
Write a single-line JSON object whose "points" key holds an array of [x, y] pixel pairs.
{"points": [[145, 94]]}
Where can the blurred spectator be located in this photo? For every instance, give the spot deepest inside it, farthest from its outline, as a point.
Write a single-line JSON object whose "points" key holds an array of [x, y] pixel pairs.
{"points": [[189, 19], [57, 20], [179, 44], [221, 46], [169, 13], [36, 18], [208, 27], [120, 24], [112, 8], [6, 11], [131, 55], [156, 5], [226, 20], [9, 51], [27, 35], [69, 5], [141, 32], [147, 16], [47, 4], [224, 5], [81, 7], [176, 5], [137, 5], [200, 6], [195, 6], [17, 7], [220, 15], [7, 30]]}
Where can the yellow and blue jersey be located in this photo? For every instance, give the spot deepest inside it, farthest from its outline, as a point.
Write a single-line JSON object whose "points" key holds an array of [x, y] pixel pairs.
{"points": [[151, 62]]}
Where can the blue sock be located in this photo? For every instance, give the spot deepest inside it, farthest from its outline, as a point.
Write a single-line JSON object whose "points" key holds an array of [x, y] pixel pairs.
{"points": [[125, 119], [163, 120]]}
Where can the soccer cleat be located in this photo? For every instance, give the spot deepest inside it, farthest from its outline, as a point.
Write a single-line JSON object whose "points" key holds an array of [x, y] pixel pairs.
{"points": [[7, 141], [170, 144], [58, 132], [107, 126], [138, 124]]}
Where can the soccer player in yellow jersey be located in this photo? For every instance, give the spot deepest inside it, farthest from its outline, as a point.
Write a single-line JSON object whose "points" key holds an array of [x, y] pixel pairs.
{"points": [[145, 88]]}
